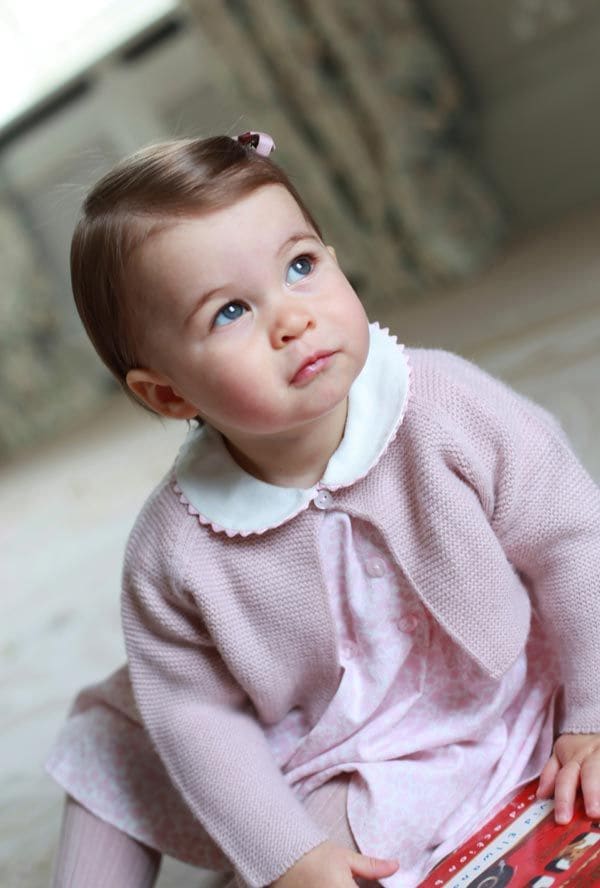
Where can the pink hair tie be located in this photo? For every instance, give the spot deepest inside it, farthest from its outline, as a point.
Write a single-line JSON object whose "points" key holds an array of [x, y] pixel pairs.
{"points": [[262, 143]]}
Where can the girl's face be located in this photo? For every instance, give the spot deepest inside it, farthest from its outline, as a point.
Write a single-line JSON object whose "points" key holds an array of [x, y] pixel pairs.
{"points": [[247, 319]]}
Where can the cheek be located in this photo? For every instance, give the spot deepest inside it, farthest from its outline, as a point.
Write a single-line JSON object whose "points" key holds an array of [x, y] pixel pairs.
{"points": [[363, 335], [354, 319], [346, 298], [239, 393]]}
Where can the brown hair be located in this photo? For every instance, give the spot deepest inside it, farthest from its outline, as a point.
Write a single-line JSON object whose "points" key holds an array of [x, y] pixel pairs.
{"points": [[141, 195]]}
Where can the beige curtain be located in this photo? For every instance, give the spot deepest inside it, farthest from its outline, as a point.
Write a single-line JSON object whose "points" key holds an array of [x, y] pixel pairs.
{"points": [[365, 109]]}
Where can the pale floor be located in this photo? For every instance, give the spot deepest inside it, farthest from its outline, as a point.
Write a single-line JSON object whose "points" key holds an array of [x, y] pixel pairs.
{"points": [[533, 319]]}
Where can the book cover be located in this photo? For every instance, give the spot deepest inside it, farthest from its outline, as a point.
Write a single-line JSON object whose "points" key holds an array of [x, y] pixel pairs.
{"points": [[522, 847]]}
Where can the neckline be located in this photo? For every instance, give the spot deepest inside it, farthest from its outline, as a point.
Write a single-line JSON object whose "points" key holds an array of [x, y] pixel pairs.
{"points": [[221, 494]]}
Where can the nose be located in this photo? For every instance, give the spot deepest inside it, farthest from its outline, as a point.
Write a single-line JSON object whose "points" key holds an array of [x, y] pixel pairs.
{"points": [[291, 321]]}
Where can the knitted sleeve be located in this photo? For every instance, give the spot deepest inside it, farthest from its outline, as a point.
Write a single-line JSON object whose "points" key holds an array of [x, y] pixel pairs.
{"points": [[197, 716], [545, 510]]}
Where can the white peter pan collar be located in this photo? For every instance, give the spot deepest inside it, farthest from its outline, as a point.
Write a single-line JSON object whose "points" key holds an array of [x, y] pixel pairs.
{"points": [[213, 487]]}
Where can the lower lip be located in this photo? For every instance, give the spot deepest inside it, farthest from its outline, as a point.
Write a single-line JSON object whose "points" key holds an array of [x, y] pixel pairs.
{"points": [[311, 370]]}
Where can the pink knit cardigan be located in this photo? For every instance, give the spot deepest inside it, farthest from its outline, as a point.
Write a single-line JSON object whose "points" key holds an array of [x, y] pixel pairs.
{"points": [[484, 508]]}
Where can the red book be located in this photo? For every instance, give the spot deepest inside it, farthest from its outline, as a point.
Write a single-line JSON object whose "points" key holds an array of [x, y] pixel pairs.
{"points": [[522, 847]]}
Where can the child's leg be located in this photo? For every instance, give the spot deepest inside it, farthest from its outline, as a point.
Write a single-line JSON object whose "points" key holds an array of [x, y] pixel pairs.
{"points": [[94, 854], [327, 806]]}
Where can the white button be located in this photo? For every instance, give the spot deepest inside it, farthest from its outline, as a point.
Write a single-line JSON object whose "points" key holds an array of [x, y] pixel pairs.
{"points": [[349, 650], [323, 499], [375, 567], [408, 623]]}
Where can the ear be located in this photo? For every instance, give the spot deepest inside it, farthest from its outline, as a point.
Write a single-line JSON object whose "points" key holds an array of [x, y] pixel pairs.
{"points": [[332, 251], [156, 392]]}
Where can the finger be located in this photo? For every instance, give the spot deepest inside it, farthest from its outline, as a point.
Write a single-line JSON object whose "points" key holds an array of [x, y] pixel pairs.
{"points": [[565, 789], [372, 867], [547, 778], [590, 785]]}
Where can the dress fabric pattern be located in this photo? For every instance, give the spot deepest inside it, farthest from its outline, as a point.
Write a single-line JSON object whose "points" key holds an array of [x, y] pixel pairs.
{"points": [[432, 744]]}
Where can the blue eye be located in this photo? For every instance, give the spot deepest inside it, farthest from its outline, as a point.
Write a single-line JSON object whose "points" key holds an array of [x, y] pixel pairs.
{"points": [[298, 269], [230, 312]]}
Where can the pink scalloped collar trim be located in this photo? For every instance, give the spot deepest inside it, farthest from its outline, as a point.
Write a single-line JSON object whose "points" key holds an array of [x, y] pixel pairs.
{"points": [[396, 426], [227, 530]]}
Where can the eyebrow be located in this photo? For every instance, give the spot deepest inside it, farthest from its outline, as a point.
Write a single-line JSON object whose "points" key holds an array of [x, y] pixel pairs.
{"points": [[202, 300], [295, 238]]}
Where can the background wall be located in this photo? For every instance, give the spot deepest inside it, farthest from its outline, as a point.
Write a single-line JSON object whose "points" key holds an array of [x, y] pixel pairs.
{"points": [[532, 73]]}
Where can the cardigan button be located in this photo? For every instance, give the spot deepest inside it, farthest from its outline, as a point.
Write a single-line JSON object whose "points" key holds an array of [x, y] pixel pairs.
{"points": [[323, 499], [375, 567], [349, 650], [407, 623]]}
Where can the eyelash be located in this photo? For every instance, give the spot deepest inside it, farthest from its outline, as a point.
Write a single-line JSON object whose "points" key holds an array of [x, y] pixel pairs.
{"points": [[311, 258], [223, 307]]}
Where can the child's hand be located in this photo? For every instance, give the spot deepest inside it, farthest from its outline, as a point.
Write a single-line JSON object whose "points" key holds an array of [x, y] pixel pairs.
{"points": [[333, 866], [575, 759]]}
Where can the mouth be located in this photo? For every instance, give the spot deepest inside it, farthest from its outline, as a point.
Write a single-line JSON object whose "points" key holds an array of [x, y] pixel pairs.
{"points": [[312, 366]]}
